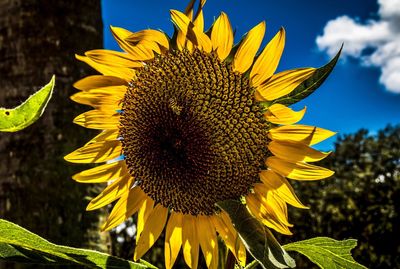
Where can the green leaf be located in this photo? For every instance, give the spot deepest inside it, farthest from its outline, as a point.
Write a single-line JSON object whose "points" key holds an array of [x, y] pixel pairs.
{"points": [[257, 238], [20, 117], [309, 85], [19, 245], [327, 253], [21, 255], [252, 265], [147, 264]]}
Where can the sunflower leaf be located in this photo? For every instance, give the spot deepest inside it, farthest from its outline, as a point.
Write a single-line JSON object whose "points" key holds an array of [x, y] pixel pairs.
{"points": [[257, 238], [308, 86], [20, 255], [327, 253], [19, 245], [20, 117]]}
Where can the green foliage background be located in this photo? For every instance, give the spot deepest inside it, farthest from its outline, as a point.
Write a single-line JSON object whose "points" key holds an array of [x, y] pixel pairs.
{"points": [[361, 201]]}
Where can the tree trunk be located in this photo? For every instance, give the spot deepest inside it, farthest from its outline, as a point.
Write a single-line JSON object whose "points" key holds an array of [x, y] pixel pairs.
{"points": [[39, 38]]}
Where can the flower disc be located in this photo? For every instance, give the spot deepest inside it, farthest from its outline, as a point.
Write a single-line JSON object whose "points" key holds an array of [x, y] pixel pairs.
{"points": [[192, 133]]}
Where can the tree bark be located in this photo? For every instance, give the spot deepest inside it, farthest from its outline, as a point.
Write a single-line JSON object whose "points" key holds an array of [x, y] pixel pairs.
{"points": [[39, 38]]}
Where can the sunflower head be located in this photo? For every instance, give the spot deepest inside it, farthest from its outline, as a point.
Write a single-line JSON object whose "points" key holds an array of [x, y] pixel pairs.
{"points": [[189, 121], [195, 132]]}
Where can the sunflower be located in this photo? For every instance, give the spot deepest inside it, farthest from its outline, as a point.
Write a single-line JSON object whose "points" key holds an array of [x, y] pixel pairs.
{"points": [[187, 122]]}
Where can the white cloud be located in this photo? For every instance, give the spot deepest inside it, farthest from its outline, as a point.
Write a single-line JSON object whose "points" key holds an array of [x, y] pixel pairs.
{"points": [[381, 37], [389, 8]]}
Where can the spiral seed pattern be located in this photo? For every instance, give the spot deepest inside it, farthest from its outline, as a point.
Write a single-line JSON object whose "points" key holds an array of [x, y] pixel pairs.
{"points": [[192, 132]]}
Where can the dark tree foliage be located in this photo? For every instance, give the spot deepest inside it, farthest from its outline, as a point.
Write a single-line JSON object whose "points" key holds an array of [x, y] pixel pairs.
{"points": [[361, 201]]}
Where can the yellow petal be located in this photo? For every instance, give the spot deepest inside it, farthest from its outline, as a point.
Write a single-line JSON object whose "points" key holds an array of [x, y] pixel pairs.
{"points": [[199, 21], [248, 48], [281, 186], [96, 152], [101, 97], [190, 31], [99, 119], [203, 40], [265, 214], [138, 52], [258, 97], [149, 35], [298, 171], [113, 58], [208, 240], [121, 72], [272, 204], [225, 229], [284, 83], [190, 241], [142, 51], [101, 173], [295, 152], [308, 135], [173, 239], [144, 212], [111, 193], [106, 135], [181, 42], [120, 34], [222, 36], [150, 45], [180, 36], [154, 225], [268, 61], [182, 22], [280, 114], [98, 81], [127, 205]]}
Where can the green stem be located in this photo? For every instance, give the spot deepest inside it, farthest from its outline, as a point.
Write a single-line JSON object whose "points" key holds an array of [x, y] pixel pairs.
{"points": [[230, 261], [252, 265]]}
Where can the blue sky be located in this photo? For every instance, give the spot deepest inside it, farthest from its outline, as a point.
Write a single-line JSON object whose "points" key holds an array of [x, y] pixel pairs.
{"points": [[351, 98]]}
